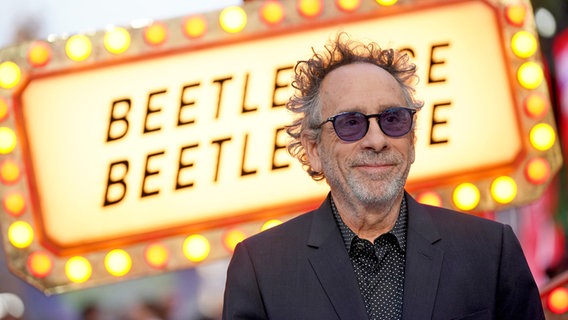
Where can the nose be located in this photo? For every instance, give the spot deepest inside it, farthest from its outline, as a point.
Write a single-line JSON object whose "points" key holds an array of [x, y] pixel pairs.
{"points": [[375, 138]]}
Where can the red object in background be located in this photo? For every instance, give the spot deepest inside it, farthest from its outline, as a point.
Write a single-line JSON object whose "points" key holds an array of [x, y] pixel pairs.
{"points": [[560, 55], [557, 300], [541, 238]]}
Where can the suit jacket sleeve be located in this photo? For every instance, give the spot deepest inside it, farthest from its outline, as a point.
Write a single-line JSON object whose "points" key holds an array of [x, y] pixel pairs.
{"points": [[242, 298], [517, 295]]}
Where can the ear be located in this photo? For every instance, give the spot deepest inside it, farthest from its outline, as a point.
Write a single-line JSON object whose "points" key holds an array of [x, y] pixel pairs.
{"points": [[312, 152]]}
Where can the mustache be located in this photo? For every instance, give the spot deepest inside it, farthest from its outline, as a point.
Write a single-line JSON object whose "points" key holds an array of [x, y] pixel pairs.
{"points": [[375, 159]]}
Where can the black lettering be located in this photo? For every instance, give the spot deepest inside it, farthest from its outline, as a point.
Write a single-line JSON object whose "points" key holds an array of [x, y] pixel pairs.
{"points": [[245, 108], [437, 122], [114, 119], [245, 172], [408, 50], [221, 82], [183, 104], [148, 173], [434, 63], [220, 143], [184, 165], [278, 148], [278, 86], [150, 110], [120, 182]]}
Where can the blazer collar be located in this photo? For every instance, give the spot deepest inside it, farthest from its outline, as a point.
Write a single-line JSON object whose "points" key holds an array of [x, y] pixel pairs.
{"points": [[332, 266], [423, 262]]}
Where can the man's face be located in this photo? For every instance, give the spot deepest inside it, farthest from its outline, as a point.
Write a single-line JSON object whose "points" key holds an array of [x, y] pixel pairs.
{"points": [[372, 170]]}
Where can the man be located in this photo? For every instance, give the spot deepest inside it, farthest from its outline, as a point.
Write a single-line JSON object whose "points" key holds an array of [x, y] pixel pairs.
{"points": [[371, 251]]}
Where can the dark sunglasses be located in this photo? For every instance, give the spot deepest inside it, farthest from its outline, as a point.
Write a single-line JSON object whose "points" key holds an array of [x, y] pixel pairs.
{"points": [[353, 126]]}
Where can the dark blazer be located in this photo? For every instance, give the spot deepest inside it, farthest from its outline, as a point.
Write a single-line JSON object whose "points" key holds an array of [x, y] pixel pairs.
{"points": [[457, 267]]}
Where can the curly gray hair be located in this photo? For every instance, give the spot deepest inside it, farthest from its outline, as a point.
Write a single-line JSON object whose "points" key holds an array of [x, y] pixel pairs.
{"points": [[310, 73]]}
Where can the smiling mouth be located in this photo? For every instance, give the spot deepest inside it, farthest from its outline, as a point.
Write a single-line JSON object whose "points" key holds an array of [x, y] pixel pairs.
{"points": [[376, 162], [375, 168], [374, 165]]}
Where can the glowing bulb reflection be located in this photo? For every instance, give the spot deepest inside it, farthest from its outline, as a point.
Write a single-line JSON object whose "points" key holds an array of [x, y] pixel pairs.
{"points": [[117, 40], [9, 172], [504, 189], [78, 47], [430, 198], [466, 196], [348, 5], [156, 34], [3, 109], [14, 203], [196, 248], [310, 8], [537, 171], [10, 74], [524, 44], [39, 54], [542, 136], [118, 262], [157, 255], [20, 234], [233, 19], [232, 238], [194, 27], [78, 269], [40, 264], [7, 140], [270, 223], [558, 300], [530, 75], [536, 105], [272, 12], [515, 14]]}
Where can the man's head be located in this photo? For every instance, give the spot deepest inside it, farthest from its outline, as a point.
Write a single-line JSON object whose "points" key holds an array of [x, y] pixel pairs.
{"points": [[353, 77]]}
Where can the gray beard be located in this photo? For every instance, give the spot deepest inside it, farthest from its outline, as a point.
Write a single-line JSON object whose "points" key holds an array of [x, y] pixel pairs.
{"points": [[365, 193], [378, 197]]}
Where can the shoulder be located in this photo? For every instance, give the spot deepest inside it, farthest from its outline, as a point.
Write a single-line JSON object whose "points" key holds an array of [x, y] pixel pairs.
{"points": [[454, 218], [456, 227], [445, 217], [317, 223]]}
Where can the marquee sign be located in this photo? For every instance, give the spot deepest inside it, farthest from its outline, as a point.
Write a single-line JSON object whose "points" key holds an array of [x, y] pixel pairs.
{"points": [[138, 150]]}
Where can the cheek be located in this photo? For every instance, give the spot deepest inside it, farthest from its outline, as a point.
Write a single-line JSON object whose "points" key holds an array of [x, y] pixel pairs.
{"points": [[407, 151], [411, 149], [326, 157]]}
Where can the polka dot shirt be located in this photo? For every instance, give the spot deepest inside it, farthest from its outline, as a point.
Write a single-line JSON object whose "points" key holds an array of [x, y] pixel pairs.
{"points": [[379, 266]]}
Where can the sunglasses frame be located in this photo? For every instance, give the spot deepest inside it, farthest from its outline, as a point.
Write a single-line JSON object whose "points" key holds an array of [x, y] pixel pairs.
{"points": [[368, 117]]}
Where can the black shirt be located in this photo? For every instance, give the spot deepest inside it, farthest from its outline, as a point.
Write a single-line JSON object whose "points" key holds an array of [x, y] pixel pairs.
{"points": [[379, 266]]}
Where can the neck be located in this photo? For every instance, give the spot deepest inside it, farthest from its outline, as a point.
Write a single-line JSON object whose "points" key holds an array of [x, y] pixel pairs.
{"points": [[368, 221]]}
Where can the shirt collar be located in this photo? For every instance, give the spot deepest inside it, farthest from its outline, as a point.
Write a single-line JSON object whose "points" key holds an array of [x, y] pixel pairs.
{"points": [[399, 229]]}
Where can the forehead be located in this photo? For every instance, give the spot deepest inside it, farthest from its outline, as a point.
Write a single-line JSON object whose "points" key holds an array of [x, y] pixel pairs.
{"points": [[360, 87]]}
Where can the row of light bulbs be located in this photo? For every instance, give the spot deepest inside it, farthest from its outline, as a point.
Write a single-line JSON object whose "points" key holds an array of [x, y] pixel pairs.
{"points": [[195, 248]]}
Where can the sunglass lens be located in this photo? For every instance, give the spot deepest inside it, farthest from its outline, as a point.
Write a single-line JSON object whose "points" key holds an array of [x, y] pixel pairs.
{"points": [[351, 126], [396, 122]]}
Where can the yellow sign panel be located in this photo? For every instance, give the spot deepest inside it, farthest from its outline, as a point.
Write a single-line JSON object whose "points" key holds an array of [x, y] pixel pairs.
{"points": [[198, 136], [186, 139], [126, 146]]}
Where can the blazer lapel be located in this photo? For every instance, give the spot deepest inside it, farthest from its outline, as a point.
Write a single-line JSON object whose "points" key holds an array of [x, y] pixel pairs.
{"points": [[332, 266], [423, 263]]}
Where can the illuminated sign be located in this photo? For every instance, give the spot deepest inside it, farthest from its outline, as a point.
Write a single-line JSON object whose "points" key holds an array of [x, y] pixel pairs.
{"points": [[134, 151]]}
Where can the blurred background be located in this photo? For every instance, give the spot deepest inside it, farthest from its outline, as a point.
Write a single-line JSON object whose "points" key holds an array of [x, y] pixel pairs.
{"points": [[197, 293]]}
